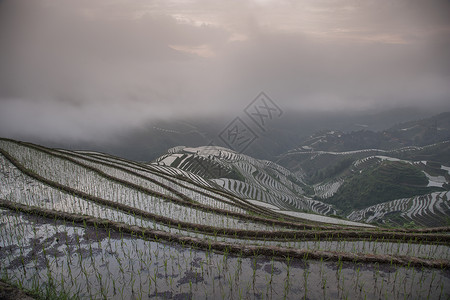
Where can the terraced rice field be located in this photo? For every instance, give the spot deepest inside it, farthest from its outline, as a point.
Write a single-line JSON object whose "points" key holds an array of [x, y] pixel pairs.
{"points": [[263, 181], [90, 226], [328, 189], [427, 210]]}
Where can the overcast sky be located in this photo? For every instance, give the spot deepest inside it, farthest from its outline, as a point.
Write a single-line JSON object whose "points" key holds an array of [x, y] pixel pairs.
{"points": [[83, 69]]}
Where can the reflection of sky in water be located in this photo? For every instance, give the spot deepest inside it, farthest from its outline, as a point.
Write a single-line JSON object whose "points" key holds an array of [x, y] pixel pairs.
{"points": [[91, 263]]}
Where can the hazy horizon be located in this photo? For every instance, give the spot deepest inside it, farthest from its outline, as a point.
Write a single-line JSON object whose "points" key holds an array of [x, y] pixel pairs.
{"points": [[90, 70]]}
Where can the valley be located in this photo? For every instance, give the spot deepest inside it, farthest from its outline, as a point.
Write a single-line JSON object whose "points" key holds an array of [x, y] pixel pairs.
{"points": [[209, 222]]}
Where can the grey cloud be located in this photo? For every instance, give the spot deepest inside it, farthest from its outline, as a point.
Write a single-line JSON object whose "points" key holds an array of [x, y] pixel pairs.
{"points": [[88, 69]]}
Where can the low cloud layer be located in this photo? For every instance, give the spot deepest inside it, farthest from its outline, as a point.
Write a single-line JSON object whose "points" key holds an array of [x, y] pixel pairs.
{"points": [[89, 69]]}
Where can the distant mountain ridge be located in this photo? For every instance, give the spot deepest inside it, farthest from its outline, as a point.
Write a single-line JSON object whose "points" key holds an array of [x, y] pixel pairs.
{"points": [[414, 133]]}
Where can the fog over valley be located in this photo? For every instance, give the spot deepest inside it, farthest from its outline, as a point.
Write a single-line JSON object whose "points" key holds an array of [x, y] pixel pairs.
{"points": [[95, 72]]}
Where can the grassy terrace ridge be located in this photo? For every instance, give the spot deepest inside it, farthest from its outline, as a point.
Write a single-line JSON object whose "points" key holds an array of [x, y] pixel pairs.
{"points": [[225, 247], [242, 203], [260, 180], [281, 221], [183, 202], [303, 231], [273, 214], [128, 209], [148, 168], [217, 190], [134, 211]]}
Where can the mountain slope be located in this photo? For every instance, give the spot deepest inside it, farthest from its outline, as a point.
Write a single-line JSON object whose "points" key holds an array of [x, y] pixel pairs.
{"points": [[429, 210], [357, 170], [263, 182], [414, 133], [386, 181]]}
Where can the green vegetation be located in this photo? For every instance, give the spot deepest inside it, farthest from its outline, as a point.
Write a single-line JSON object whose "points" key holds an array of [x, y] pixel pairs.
{"points": [[439, 153], [235, 174], [384, 182], [331, 170], [308, 190]]}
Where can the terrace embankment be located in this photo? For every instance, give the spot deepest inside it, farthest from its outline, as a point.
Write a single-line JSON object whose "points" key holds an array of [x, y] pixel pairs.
{"points": [[226, 247], [250, 217], [9, 292], [210, 229]]}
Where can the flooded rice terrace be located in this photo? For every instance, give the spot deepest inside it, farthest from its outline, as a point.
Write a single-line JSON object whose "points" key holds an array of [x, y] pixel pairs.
{"points": [[55, 258]]}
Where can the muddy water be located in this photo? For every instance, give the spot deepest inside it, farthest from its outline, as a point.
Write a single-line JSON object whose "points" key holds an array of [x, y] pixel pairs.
{"points": [[93, 263]]}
